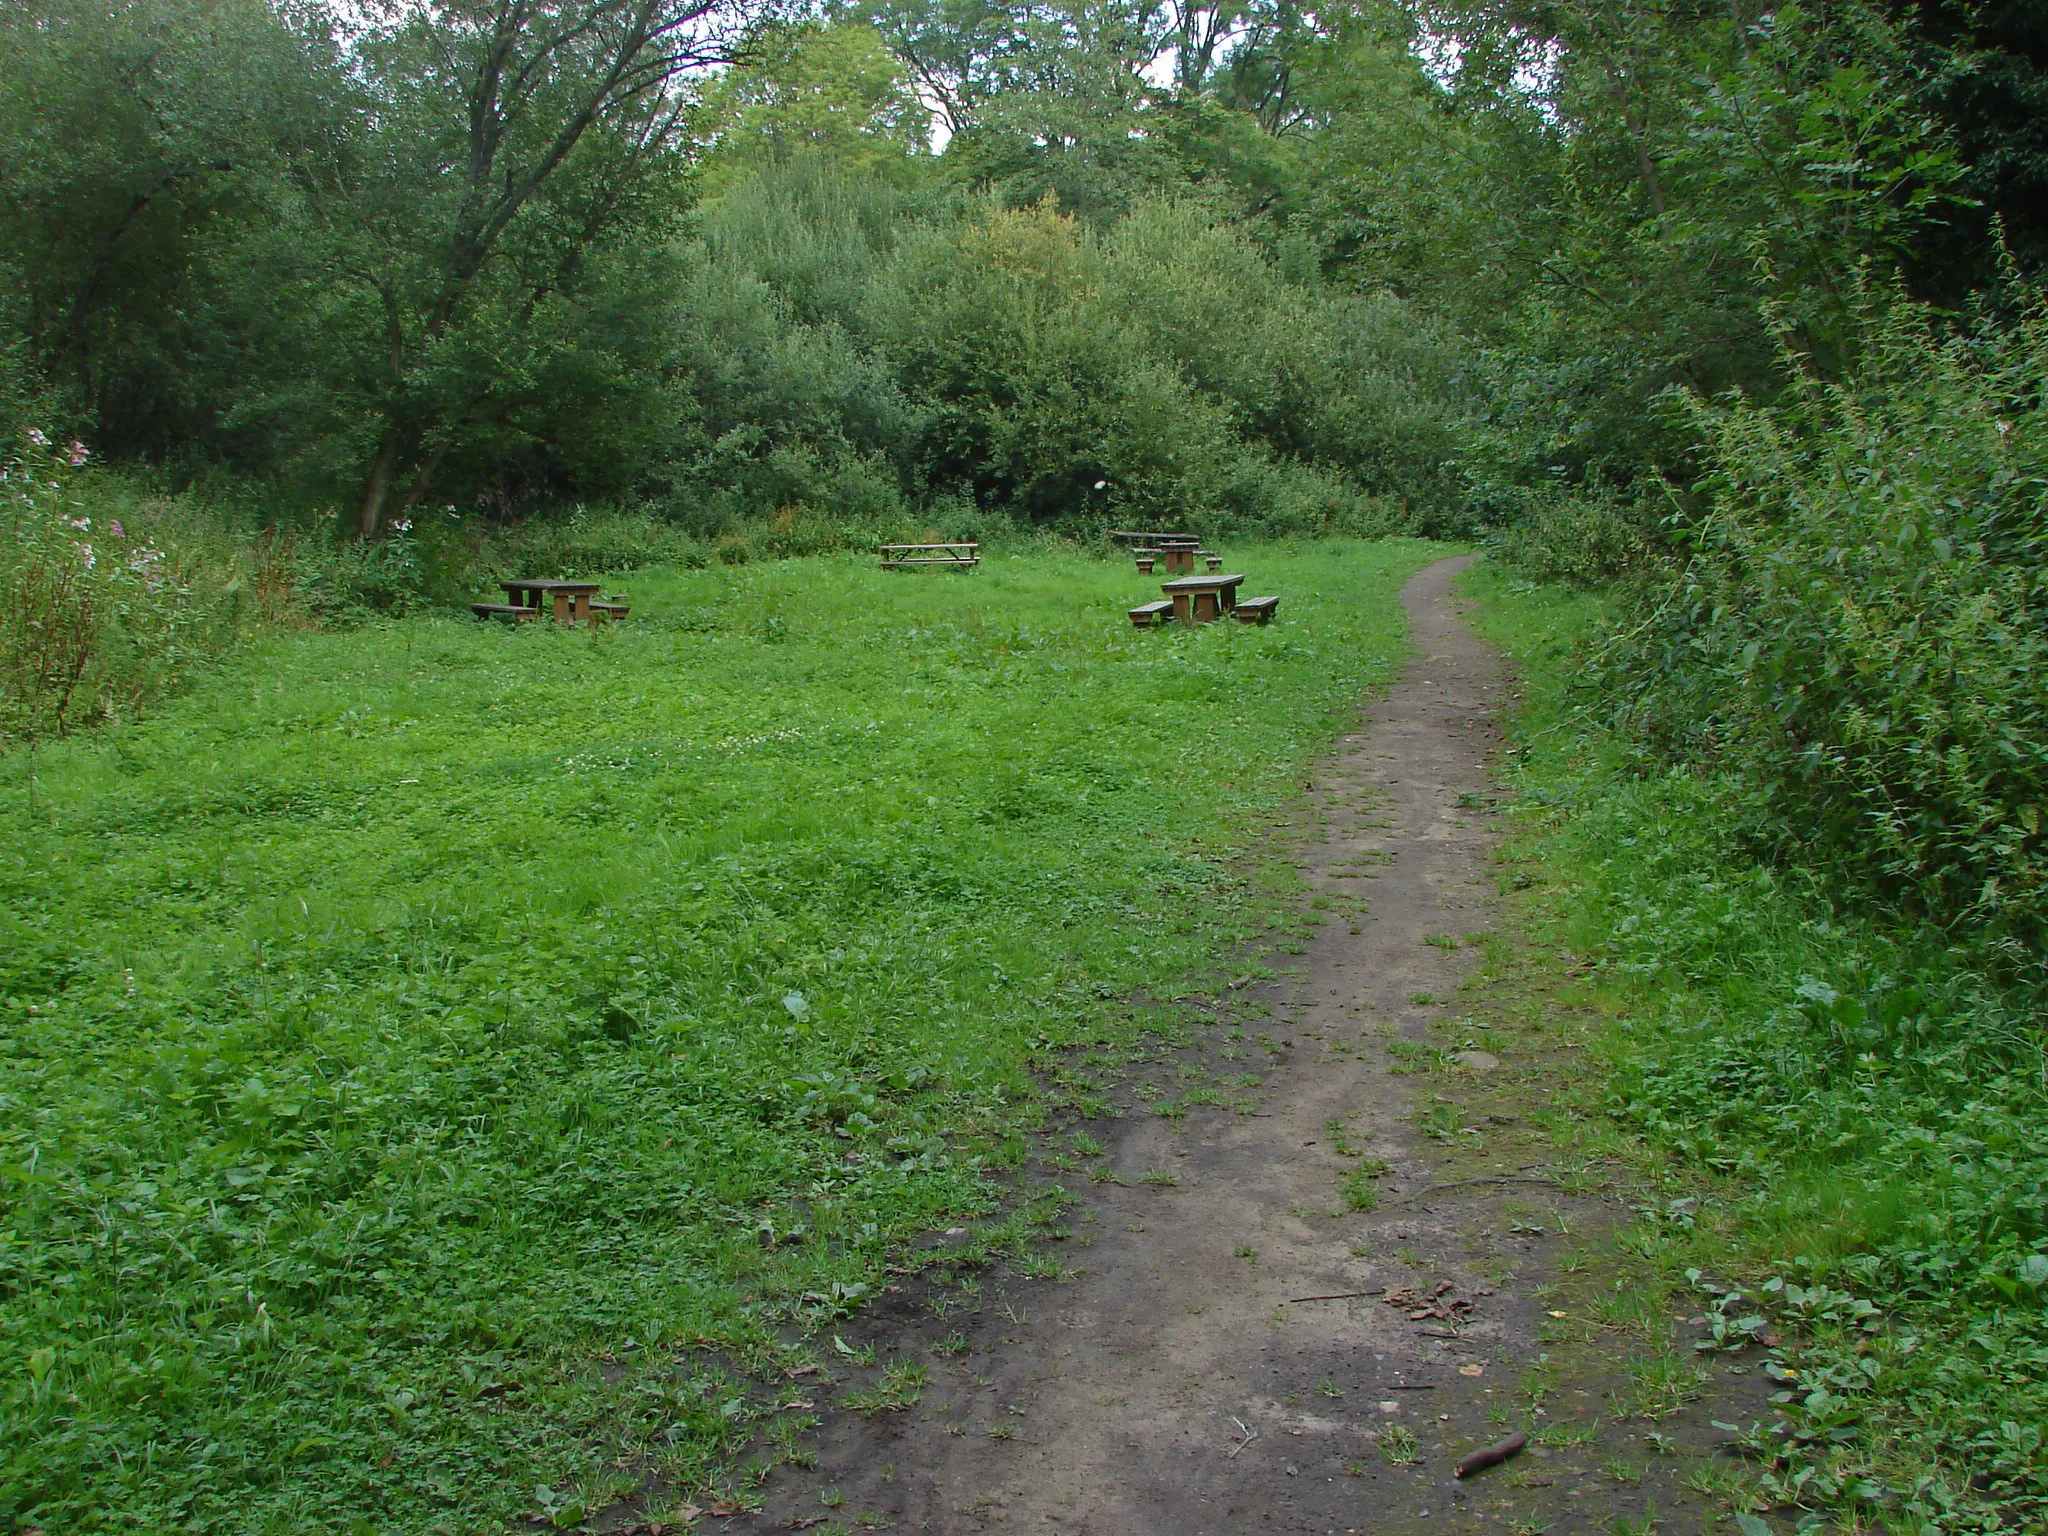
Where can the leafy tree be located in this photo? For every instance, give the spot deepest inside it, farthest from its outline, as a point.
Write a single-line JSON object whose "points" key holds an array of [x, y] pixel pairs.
{"points": [[832, 92], [510, 141], [129, 157]]}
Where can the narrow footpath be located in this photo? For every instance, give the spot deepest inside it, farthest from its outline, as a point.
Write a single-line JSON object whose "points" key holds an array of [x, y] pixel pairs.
{"points": [[1240, 1350]]}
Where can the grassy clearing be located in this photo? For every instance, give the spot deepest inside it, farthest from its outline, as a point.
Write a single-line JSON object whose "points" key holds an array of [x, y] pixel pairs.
{"points": [[1839, 1127], [420, 1040]]}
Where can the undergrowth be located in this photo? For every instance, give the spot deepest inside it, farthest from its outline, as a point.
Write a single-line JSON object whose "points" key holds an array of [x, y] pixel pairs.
{"points": [[443, 1066], [1861, 1100]]}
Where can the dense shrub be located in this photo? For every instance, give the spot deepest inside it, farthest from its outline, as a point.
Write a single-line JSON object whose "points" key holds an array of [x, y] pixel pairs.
{"points": [[1583, 536], [1856, 629], [96, 616], [1165, 372]]}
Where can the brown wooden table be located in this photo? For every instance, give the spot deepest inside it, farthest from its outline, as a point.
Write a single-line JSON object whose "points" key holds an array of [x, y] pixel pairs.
{"points": [[960, 557], [571, 599], [1199, 599]]}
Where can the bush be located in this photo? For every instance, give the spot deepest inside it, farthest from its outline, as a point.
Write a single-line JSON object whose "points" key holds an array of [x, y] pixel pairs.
{"points": [[95, 617], [1582, 536], [1857, 632]]}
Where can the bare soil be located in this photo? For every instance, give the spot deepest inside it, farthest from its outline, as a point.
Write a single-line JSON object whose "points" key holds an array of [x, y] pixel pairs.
{"points": [[1235, 1347]]}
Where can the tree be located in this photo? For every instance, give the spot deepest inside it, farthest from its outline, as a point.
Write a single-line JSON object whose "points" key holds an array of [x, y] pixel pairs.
{"points": [[504, 140], [128, 159], [835, 93]]}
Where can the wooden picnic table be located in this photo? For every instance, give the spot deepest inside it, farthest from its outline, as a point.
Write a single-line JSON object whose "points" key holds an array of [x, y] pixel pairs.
{"points": [[571, 599], [1199, 599], [896, 557], [1177, 551]]}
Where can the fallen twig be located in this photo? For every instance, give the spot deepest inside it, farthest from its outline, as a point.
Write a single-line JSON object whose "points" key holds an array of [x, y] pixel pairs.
{"points": [[1249, 1436], [1334, 1296], [1492, 1456]]}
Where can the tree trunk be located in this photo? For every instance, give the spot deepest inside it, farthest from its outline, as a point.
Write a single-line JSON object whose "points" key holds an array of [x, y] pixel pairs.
{"points": [[377, 490]]}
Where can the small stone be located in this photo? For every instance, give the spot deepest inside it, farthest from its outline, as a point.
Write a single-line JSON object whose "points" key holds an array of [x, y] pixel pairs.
{"points": [[1478, 1061]]}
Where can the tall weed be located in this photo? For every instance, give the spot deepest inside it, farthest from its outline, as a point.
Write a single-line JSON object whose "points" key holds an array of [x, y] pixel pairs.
{"points": [[1856, 631], [95, 617], [1869, 1088]]}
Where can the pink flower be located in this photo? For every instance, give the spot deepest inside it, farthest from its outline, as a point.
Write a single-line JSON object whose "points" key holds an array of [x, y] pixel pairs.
{"points": [[37, 438], [85, 553], [116, 529], [79, 453], [80, 522]]}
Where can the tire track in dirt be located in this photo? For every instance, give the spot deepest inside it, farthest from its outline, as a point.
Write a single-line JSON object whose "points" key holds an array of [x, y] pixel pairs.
{"points": [[1178, 1385]]}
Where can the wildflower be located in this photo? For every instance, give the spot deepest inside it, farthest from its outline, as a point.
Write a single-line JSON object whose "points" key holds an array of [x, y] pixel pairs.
{"points": [[80, 522], [79, 453], [403, 525], [85, 554], [116, 529], [37, 438]]}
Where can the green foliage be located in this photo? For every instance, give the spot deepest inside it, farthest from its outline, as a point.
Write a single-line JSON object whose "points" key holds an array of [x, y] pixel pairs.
{"points": [[428, 1051], [96, 616], [1856, 634], [1172, 362], [133, 163], [1873, 1094], [835, 94], [1623, 201]]}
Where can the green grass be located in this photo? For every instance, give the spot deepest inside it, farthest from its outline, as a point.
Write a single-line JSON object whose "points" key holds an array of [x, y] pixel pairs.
{"points": [[1860, 1108], [442, 1062]]}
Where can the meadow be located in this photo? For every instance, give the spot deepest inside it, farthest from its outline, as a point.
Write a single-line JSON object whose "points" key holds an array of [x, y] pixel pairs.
{"points": [[443, 1066]]}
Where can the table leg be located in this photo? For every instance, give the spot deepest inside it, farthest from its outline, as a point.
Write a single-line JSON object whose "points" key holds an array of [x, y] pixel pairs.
{"points": [[562, 609], [1205, 607], [582, 609], [1183, 610]]}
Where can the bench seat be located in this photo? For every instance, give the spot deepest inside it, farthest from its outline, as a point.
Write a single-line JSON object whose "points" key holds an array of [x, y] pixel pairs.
{"points": [[1145, 615], [967, 564], [1256, 610], [511, 611], [611, 610]]}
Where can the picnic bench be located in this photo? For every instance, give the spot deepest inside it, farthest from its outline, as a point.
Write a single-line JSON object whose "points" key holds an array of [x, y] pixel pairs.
{"points": [[573, 602], [1200, 599], [958, 557], [1255, 610], [1145, 615], [1176, 550]]}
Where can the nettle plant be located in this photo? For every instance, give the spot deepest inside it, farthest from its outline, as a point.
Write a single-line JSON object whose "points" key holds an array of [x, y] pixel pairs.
{"points": [[92, 617], [1856, 631]]}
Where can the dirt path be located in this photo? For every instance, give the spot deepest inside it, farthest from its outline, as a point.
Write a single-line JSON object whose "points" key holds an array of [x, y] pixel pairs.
{"points": [[1180, 1384]]}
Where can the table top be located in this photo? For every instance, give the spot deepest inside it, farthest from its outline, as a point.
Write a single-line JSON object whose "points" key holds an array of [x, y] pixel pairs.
{"points": [[525, 584], [1199, 583], [1161, 538]]}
